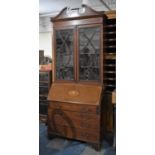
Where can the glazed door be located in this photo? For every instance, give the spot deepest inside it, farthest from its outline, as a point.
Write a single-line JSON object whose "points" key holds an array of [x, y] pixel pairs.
{"points": [[64, 54], [89, 51]]}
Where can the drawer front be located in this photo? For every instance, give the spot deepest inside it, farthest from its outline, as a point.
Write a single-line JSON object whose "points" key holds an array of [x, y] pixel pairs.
{"points": [[74, 119], [74, 107], [74, 133]]}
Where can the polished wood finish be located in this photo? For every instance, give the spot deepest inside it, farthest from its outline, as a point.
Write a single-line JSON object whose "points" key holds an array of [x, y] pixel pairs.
{"points": [[75, 22], [75, 133], [90, 18], [77, 119], [75, 107], [74, 111], [75, 93]]}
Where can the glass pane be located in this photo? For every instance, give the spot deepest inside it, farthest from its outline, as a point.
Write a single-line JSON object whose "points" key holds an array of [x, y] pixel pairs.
{"points": [[64, 55], [89, 53]]}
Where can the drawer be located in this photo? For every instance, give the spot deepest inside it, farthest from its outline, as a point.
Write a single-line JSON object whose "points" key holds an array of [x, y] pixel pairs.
{"points": [[74, 133], [74, 107], [74, 119]]}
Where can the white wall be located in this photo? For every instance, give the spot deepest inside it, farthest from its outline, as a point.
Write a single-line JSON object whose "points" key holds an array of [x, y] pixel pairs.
{"points": [[45, 25], [45, 43]]}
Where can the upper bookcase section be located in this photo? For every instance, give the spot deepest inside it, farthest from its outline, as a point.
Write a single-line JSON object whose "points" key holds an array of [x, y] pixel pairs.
{"points": [[77, 13]]}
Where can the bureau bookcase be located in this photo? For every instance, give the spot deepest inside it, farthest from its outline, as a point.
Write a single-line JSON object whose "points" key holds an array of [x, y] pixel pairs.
{"points": [[75, 97]]}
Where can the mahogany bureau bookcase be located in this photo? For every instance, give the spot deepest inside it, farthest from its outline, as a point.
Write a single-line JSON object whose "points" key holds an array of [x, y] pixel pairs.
{"points": [[75, 97]]}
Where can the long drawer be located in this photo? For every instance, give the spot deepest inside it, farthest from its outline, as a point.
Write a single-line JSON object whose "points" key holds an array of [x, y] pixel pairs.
{"points": [[75, 107], [74, 119], [75, 133]]}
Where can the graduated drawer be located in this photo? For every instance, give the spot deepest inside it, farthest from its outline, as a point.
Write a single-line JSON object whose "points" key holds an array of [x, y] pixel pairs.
{"points": [[74, 119], [74, 133], [82, 108]]}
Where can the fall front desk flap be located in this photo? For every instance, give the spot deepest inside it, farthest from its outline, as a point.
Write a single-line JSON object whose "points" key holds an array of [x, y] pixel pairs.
{"points": [[75, 93]]}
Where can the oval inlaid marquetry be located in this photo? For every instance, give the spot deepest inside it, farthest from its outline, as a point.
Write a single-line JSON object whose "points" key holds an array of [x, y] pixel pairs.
{"points": [[73, 93]]}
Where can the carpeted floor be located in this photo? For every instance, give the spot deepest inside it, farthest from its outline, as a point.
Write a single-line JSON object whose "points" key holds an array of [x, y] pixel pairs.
{"points": [[60, 146]]}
